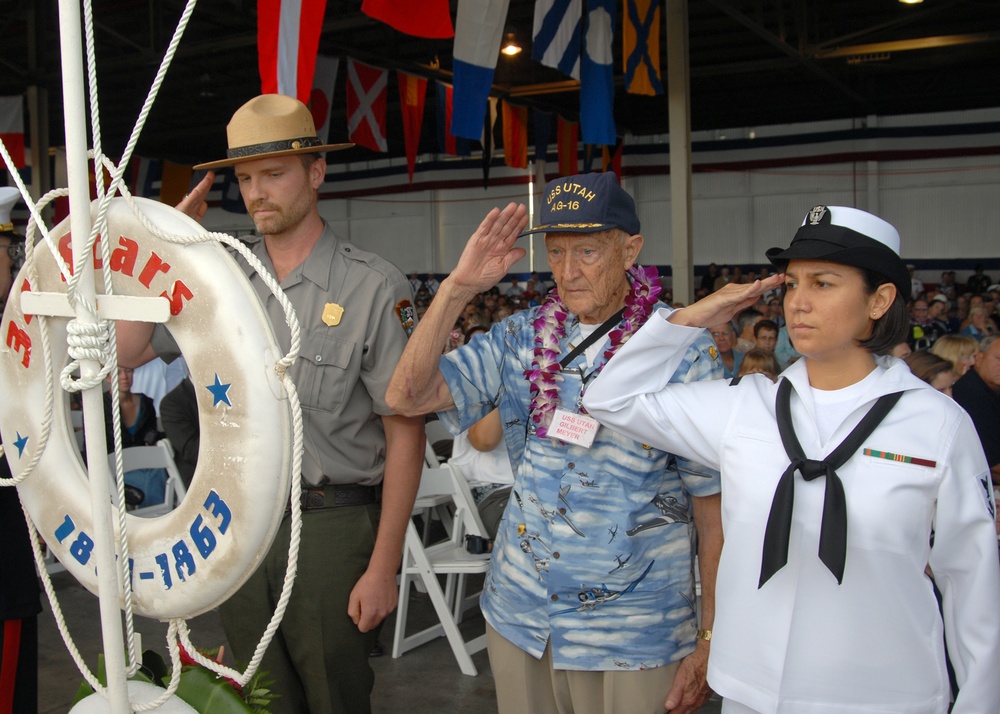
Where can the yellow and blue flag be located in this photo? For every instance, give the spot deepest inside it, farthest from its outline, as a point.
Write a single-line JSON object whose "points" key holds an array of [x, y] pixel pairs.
{"points": [[641, 47]]}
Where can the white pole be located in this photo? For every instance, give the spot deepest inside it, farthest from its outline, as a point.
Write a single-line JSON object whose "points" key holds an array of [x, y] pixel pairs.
{"points": [[679, 122], [531, 215], [75, 122]]}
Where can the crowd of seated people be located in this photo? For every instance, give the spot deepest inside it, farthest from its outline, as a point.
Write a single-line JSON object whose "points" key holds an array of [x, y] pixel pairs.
{"points": [[938, 313], [948, 314], [936, 371]]}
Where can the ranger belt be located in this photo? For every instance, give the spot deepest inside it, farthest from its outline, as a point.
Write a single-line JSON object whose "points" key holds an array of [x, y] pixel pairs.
{"points": [[338, 496]]}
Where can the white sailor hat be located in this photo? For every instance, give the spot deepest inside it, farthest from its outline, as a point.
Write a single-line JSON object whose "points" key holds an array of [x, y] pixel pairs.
{"points": [[8, 197], [848, 236]]}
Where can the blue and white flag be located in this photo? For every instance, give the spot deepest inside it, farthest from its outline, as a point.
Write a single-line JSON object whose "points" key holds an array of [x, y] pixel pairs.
{"points": [[597, 82], [478, 30], [556, 35]]}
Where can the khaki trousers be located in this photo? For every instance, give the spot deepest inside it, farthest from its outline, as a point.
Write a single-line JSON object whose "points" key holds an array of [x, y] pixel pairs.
{"points": [[529, 686]]}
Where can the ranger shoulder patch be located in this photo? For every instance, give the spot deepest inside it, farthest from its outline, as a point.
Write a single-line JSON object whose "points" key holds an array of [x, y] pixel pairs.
{"points": [[407, 315]]}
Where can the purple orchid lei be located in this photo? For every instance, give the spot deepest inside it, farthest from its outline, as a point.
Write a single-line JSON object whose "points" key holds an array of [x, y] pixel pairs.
{"points": [[550, 329]]}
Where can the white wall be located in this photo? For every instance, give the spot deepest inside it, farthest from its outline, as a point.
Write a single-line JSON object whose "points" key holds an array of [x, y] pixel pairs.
{"points": [[751, 189]]}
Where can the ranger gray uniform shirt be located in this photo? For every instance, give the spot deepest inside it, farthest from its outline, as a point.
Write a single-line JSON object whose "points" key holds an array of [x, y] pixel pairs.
{"points": [[343, 370]]}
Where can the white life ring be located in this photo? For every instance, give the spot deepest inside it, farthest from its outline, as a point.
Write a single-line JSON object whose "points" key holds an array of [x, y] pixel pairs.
{"points": [[193, 558]]}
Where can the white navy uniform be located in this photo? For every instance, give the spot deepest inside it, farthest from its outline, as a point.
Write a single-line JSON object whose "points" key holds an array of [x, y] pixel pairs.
{"points": [[802, 643]]}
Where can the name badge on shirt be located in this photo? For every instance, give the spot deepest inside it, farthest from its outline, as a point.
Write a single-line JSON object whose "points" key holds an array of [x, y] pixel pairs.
{"points": [[573, 428]]}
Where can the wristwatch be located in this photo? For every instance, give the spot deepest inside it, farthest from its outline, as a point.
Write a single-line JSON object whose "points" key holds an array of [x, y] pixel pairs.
{"points": [[704, 635]]}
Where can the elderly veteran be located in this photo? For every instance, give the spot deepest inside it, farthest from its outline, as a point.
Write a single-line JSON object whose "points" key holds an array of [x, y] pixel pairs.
{"points": [[361, 465], [843, 482], [590, 599]]}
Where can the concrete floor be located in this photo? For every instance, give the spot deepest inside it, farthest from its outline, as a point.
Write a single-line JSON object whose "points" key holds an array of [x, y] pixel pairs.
{"points": [[426, 679]]}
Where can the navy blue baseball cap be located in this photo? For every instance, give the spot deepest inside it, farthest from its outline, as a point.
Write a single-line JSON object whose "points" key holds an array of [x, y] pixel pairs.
{"points": [[586, 203]]}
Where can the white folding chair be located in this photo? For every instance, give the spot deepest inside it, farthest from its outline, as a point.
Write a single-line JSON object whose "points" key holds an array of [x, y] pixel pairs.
{"points": [[423, 564], [474, 525], [430, 458], [438, 433], [432, 505], [158, 456]]}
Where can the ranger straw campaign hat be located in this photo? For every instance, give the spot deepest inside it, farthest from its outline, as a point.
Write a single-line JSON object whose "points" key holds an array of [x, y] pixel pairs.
{"points": [[586, 203], [849, 236], [271, 125]]}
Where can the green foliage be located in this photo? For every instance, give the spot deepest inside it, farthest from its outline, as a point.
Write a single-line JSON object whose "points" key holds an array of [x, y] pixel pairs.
{"points": [[209, 694], [199, 687]]}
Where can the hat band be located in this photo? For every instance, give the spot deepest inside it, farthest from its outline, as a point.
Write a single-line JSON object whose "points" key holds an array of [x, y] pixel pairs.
{"points": [[273, 147], [839, 237], [5, 227]]}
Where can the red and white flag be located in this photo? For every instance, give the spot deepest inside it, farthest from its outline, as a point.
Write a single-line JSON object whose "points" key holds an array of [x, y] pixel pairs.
{"points": [[412, 93], [12, 128], [321, 100], [366, 91], [287, 41]]}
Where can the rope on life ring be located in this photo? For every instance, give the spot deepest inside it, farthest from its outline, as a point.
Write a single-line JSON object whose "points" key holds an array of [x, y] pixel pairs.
{"points": [[193, 558], [177, 631]]}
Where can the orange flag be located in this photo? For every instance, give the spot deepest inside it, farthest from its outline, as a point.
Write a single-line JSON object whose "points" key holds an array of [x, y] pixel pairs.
{"points": [[174, 183], [515, 136], [569, 152], [412, 92]]}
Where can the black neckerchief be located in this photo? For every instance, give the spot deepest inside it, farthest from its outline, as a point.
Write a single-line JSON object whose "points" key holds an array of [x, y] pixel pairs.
{"points": [[833, 531]]}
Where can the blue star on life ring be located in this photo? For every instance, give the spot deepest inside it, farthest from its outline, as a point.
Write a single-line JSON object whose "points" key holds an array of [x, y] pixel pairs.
{"points": [[195, 557]]}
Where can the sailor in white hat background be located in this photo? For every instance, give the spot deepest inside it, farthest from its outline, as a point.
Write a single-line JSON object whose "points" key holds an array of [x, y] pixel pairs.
{"points": [[20, 600], [11, 242], [841, 484], [362, 463]]}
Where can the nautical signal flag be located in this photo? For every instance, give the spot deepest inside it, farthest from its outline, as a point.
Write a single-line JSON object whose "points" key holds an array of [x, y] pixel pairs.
{"points": [[175, 182], [568, 134], [427, 18], [12, 128], [489, 126], [515, 136], [641, 47], [612, 160], [556, 35], [412, 93], [366, 92], [287, 42], [542, 123], [321, 97], [597, 82], [448, 143], [478, 30], [144, 172]]}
